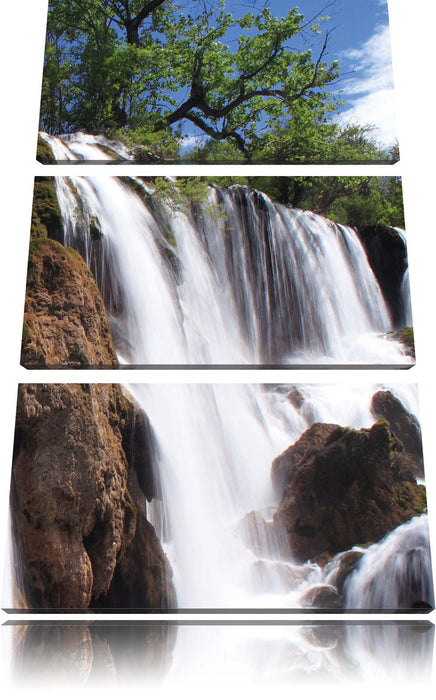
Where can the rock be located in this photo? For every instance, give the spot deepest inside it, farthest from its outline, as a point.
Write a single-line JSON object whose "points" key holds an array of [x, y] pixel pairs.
{"points": [[65, 321], [322, 596], [296, 398], [277, 577], [403, 425], [387, 255], [44, 154], [341, 567], [95, 231], [406, 337], [141, 450], [81, 539], [353, 486], [308, 444]]}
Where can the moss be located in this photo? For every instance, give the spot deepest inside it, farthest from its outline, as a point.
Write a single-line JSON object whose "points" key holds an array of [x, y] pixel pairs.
{"points": [[25, 338], [35, 246], [44, 154], [113, 155], [407, 335], [46, 215], [74, 253], [40, 243], [134, 185], [421, 505], [409, 495]]}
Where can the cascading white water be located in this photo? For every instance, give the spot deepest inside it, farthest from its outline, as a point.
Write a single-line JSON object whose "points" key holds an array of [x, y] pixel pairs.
{"points": [[395, 573], [249, 282], [252, 283], [80, 146]]}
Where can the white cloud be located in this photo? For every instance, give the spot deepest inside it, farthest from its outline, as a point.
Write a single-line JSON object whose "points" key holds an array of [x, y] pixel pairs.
{"points": [[369, 92]]}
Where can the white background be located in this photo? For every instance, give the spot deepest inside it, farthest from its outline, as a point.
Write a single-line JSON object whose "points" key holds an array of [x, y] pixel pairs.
{"points": [[413, 39]]}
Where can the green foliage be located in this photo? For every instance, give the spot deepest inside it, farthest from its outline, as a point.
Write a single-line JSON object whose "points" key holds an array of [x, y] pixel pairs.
{"points": [[145, 68], [181, 194], [355, 201], [150, 146], [310, 136]]}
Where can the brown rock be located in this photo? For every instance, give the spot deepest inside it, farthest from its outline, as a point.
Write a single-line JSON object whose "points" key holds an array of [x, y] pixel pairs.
{"points": [[65, 321], [296, 398], [353, 487], [307, 445], [403, 425], [325, 597], [74, 520], [341, 567]]}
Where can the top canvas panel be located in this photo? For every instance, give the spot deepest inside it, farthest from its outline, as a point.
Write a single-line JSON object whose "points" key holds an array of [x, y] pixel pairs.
{"points": [[221, 81]]}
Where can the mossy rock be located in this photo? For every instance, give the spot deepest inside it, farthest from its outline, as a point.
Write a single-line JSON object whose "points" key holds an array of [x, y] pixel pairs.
{"points": [[46, 215], [44, 154], [135, 186], [407, 336], [113, 155]]}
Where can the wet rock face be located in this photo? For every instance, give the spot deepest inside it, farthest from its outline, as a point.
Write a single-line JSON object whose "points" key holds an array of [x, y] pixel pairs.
{"points": [[345, 487], [323, 597], [65, 321], [387, 255], [403, 425], [308, 444], [74, 520]]}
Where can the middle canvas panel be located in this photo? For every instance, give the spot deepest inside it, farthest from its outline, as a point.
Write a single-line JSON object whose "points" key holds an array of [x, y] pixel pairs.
{"points": [[225, 272]]}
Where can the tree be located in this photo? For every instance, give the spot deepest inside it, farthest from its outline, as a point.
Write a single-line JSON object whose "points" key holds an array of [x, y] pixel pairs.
{"points": [[234, 94], [155, 65]]}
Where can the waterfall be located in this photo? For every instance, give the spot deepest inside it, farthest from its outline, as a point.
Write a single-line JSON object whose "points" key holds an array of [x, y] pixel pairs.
{"points": [[395, 573], [80, 146], [406, 303], [236, 280]]}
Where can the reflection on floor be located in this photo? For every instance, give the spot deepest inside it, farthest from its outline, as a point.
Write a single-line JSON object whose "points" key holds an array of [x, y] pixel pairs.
{"points": [[61, 653]]}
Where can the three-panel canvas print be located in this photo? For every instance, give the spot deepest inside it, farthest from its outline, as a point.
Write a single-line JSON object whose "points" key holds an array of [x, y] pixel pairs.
{"points": [[293, 496]]}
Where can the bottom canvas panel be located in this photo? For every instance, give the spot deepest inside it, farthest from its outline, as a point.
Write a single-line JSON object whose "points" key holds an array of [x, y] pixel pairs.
{"points": [[225, 497], [185, 654]]}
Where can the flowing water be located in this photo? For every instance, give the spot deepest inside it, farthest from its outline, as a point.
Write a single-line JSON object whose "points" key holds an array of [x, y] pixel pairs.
{"points": [[236, 280]]}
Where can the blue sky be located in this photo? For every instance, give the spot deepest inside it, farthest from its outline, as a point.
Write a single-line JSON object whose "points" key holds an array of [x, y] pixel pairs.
{"points": [[360, 41]]}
